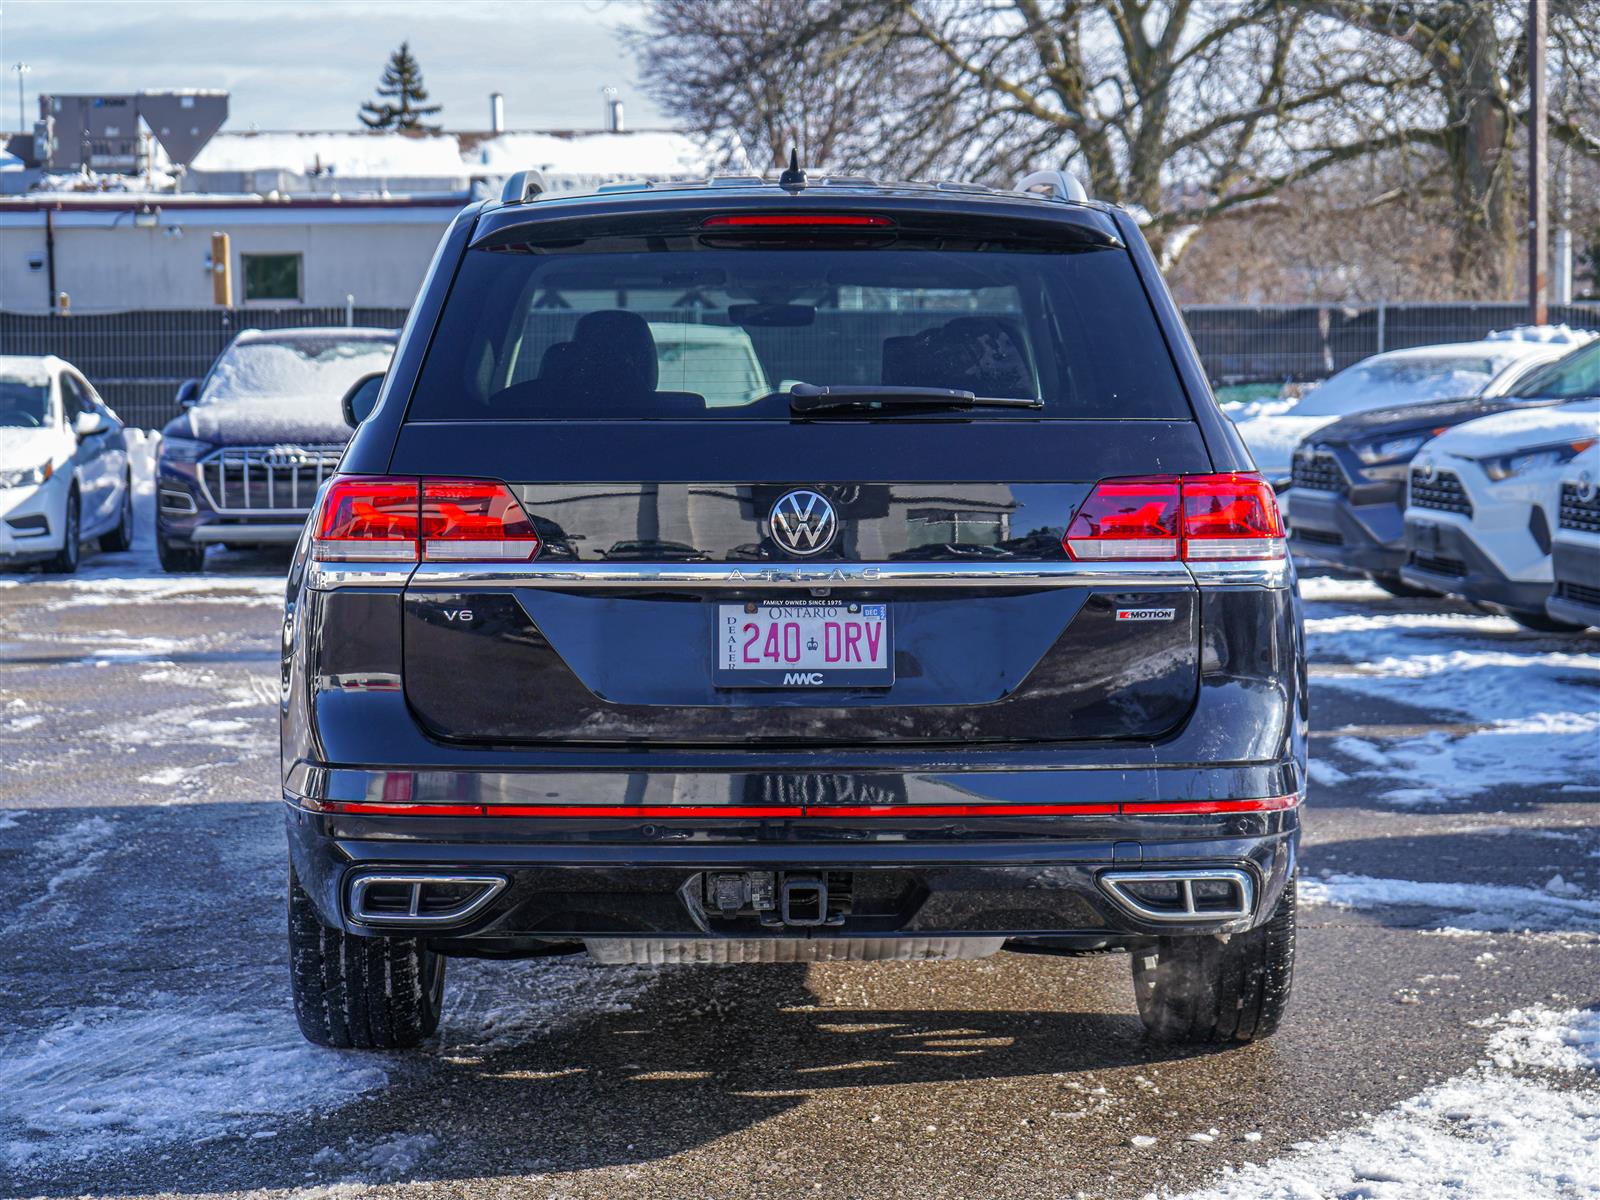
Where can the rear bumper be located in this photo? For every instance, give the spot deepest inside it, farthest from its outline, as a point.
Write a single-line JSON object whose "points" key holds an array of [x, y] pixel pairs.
{"points": [[1444, 557], [1330, 528], [568, 879]]}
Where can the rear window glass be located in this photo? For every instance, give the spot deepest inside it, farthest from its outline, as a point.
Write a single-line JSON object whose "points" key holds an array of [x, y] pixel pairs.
{"points": [[725, 332]]}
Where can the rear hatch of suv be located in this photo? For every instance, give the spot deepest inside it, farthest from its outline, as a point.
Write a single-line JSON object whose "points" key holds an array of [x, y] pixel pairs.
{"points": [[803, 473]]}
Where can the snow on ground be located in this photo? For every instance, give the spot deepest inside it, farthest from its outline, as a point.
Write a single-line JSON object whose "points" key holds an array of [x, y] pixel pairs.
{"points": [[107, 1080], [1524, 1123], [1474, 906], [1536, 707], [193, 1069], [492, 1006]]}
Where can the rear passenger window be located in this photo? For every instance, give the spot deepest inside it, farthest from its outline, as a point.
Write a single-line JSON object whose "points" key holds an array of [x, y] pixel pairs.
{"points": [[722, 332]]}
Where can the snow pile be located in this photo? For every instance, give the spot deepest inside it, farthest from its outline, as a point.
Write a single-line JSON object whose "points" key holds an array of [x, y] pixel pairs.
{"points": [[107, 1079], [399, 1155], [1553, 1041], [1485, 1135], [1480, 1137], [492, 1006], [1550, 335], [1483, 906]]}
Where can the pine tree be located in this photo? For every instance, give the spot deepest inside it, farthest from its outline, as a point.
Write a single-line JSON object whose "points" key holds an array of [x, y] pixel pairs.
{"points": [[402, 82]]}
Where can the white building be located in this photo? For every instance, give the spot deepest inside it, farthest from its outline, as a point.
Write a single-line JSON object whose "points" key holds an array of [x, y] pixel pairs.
{"points": [[313, 219]]}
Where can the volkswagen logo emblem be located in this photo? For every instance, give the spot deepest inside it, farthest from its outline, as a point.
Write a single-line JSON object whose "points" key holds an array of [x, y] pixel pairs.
{"points": [[803, 522], [1586, 486]]}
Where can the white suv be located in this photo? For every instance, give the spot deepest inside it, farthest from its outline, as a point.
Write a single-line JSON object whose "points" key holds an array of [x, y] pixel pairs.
{"points": [[1575, 552], [1482, 499]]}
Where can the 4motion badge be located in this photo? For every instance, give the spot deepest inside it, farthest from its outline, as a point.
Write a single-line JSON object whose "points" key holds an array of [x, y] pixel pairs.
{"points": [[1146, 614]]}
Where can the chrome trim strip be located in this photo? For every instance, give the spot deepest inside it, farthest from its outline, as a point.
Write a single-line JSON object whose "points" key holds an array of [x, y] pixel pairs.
{"points": [[443, 575], [326, 576], [1244, 889], [250, 535], [492, 886], [1267, 572], [170, 500]]}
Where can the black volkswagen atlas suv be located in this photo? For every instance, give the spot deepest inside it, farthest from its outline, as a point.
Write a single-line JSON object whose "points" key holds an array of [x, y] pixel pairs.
{"points": [[949, 615]]}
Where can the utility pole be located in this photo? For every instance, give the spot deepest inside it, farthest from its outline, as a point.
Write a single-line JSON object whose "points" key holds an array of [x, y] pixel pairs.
{"points": [[22, 70], [1538, 164]]}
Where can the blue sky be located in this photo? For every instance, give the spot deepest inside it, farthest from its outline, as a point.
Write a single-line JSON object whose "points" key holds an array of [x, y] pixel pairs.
{"points": [[308, 64]]}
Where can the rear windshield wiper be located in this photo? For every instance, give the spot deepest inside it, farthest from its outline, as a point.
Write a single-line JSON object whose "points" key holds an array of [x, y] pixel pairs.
{"points": [[808, 397]]}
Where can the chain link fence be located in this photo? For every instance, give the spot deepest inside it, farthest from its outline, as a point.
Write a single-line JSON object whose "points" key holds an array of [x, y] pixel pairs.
{"points": [[1278, 343], [137, 359]]}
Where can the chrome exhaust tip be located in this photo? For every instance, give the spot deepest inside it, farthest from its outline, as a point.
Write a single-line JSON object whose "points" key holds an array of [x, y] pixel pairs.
{"points": [[421, 899], [1200, 894]]}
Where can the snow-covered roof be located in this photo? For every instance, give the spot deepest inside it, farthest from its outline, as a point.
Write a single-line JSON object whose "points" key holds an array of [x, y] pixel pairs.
{"points": [[33, 369], [451, 156], [352, 153]]}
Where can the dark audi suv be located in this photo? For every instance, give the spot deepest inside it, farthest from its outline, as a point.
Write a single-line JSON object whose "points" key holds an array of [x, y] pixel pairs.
{"points": [[962, 625], [243, 463]]}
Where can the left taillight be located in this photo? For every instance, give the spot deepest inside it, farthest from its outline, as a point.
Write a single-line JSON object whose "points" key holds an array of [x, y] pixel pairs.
{"points": [[1196, 518], [372, 519]]}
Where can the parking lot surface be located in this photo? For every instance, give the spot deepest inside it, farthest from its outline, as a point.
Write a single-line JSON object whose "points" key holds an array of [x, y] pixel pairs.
{"points": [[1441, 1040]]}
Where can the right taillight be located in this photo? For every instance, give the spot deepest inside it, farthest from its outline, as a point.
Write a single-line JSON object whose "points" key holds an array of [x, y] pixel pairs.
{"points": [[381, 519], [1198, 518], [1230, 516]]}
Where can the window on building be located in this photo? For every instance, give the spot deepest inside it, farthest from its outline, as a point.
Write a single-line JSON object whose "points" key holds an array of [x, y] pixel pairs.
{"points": [[271, 276]]}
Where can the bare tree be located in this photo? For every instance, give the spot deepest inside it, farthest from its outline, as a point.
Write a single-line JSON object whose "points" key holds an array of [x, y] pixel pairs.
{"points": [[1179, 108], [768, 77], [1187, 111]]}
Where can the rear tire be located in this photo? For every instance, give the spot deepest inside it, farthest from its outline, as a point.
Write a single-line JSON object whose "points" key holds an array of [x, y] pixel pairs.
{"points": [[121, 538], [1396, 586], [180, 560], [1542, 623], [66, 560], [1200, 989], [360, 993]]}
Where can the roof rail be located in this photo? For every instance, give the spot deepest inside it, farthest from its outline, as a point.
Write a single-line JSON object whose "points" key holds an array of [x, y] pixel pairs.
{"points": [[522, 186], [1061, 184]]}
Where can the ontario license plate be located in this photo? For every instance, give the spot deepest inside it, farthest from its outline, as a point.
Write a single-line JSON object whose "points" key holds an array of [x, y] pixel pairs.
{"points": [[803, 643]]}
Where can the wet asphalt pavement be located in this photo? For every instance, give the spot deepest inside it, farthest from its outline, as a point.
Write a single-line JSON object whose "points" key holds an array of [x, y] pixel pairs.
{"points": [[146, 1044]]}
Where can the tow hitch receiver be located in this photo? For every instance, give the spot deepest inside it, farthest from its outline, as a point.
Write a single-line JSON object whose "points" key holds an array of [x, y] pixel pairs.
{"points": [[778, 898], [805, 900]]}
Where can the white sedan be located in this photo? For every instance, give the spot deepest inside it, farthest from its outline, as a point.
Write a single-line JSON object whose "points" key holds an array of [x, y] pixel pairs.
{"points": [[1452, 371], [64, 473]]}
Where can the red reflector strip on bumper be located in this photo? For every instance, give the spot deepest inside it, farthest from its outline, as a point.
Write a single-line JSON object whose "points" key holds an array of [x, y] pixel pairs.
{"points": [[667, 812], [959, 810], [1265, 804], [642, 811]]}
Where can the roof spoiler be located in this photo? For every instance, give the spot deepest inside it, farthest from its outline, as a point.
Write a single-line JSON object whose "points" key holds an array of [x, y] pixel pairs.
{"points": [[523, 186], [1063, 185]]}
